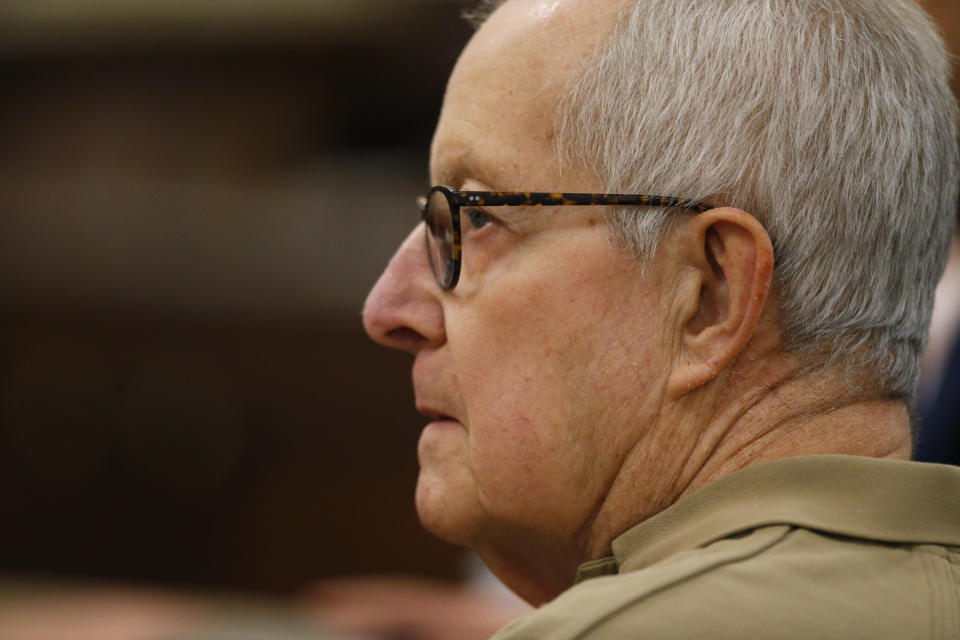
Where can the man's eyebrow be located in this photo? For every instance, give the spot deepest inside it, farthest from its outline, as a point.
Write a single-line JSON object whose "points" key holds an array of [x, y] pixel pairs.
{"points": [[465, 168], [450, 175]]}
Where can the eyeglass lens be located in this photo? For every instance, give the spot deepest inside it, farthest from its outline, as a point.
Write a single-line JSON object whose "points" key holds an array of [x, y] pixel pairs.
{"points": [[440, 241]]}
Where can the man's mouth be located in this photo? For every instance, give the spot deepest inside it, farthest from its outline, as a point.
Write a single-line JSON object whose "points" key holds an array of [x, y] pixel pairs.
{"points": [[435, 415]]}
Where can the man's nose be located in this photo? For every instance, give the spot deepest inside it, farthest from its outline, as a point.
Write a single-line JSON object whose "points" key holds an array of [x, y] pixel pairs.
{"points": [[403, 310]]}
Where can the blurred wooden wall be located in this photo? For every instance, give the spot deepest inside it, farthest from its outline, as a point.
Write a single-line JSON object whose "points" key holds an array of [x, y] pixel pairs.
{"points": [[194, 206]]}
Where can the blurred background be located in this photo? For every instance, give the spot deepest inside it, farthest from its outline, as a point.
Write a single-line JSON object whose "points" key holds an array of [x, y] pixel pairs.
{"points": [[196, 197]]}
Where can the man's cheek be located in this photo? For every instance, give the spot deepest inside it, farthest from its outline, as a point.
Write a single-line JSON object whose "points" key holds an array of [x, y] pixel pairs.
{"points": [[517, 474]]}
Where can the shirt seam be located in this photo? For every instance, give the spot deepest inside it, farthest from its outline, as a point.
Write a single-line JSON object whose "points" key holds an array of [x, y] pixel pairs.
{"points": [[747, 555], [934, 594]]}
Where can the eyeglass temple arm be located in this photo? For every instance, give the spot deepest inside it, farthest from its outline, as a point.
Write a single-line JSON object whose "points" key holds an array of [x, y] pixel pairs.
{"points": [[530, 198]]}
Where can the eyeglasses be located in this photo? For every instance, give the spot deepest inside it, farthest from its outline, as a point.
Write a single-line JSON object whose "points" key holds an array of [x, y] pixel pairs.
{"points": [[440, 210]]}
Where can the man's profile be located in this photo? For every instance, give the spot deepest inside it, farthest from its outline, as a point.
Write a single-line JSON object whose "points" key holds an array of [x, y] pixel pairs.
{"points": [[667, 306]]}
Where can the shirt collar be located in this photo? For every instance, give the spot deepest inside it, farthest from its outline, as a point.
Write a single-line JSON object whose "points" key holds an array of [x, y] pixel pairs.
{"points": [[881, 500]]}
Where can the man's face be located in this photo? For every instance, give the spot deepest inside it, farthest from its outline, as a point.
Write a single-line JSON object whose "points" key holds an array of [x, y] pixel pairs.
{"points": [[540, 370]]}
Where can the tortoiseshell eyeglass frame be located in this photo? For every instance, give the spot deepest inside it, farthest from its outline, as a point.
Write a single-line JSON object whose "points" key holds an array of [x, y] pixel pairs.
{"points": [[448, 276]]}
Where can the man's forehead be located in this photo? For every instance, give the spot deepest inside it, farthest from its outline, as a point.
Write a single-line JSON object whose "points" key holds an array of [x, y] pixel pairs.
{"points": [[545, 32], [503, 92], [583, 13]]}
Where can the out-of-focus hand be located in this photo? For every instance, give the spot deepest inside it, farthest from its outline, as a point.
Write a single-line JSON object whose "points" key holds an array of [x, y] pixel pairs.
{"points": [[101, 614], [408, 608]]}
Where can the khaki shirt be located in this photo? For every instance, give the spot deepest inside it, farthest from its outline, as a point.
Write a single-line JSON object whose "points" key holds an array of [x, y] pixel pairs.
{"points": [[807, 547]]}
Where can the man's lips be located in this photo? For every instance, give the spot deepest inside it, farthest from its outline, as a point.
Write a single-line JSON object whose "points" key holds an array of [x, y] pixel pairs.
{"points": [[435, 415], [432, 390]]}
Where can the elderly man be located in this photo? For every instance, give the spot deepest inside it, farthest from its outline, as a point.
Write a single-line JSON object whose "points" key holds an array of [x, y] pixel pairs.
{"points": [[673, 401]]}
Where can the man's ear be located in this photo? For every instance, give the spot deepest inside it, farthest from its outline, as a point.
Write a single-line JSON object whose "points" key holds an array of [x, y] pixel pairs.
{"points": [[728, 267]]}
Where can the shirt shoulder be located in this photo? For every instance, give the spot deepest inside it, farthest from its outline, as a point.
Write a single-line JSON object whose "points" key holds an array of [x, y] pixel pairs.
{"points": [[773, 582]]}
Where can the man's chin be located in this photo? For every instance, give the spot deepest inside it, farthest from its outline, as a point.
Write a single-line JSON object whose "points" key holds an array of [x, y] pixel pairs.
{"points": [[450, 513]]}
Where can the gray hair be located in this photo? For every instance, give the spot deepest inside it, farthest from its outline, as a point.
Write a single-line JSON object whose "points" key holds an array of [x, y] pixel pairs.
{"points": [[831, 121]]}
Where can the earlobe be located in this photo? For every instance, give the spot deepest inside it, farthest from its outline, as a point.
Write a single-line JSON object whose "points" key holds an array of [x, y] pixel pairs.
{"points": [[729, 262]]}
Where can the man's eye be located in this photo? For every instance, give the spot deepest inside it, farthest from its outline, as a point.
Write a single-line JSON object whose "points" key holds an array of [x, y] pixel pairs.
{"points": [[479, 218]]}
